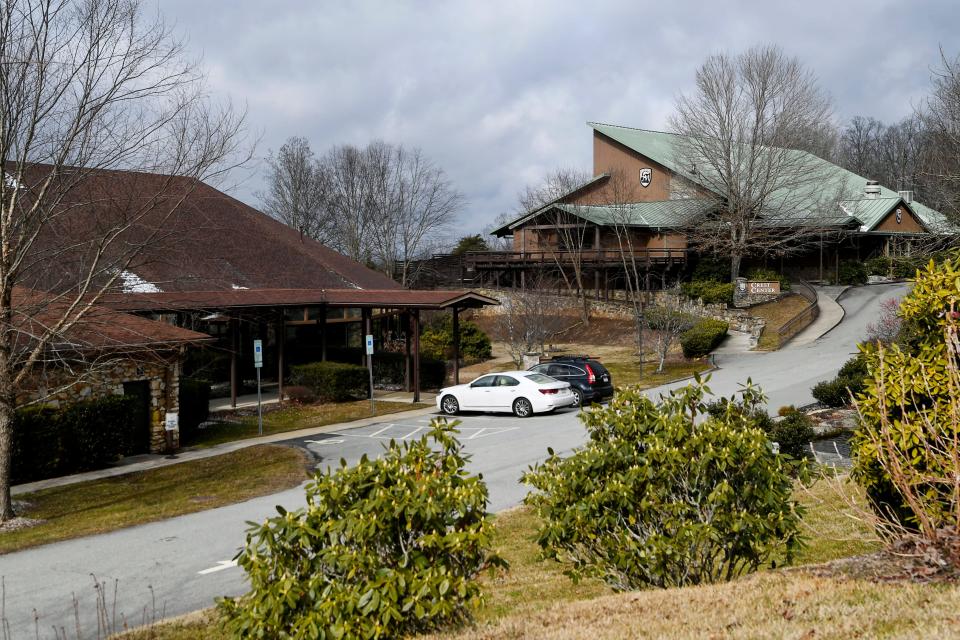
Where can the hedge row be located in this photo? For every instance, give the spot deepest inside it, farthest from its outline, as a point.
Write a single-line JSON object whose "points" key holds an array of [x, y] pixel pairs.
{"points": [[709, 291], [703, 338], [332, 381], [50, 442], [389, 367]]}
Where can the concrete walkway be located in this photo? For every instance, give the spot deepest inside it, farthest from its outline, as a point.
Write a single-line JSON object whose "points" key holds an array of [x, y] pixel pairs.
{"points": [[831, 314], [269, 397], [153, 461]]}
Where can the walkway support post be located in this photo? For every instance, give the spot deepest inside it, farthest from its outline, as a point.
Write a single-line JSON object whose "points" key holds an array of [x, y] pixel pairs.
{"points": [[234, 347], [456, 345], [281, 347], [416, 355]]}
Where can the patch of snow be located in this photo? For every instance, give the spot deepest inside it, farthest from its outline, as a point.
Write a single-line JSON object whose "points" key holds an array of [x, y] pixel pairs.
{"points": [[132, 283], [237, 286]]}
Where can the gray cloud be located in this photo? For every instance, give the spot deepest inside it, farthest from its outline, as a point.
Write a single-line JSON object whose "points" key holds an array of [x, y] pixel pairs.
{"points": [[497, 92]]}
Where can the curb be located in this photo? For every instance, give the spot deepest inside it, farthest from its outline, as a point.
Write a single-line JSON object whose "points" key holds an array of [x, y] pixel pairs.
{"points": [[189, 455]]}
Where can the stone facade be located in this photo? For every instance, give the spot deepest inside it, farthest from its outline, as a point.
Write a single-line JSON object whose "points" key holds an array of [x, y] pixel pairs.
{"points": [[738, 319], [58, 386]]}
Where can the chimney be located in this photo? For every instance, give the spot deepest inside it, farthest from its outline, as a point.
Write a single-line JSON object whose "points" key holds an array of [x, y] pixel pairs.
{"points": [[872, 190], [906, 195]]}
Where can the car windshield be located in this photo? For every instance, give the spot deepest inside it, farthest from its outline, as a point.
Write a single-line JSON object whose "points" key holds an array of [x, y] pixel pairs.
{"points": [[539, 378]]}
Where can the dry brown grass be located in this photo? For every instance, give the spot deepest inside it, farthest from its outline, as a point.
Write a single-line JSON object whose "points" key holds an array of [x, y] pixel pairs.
{"points": [[767, 605], [777, 314]]}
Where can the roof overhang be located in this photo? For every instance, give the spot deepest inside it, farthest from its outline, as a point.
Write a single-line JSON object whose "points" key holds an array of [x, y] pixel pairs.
{"points": [[281, 298]]}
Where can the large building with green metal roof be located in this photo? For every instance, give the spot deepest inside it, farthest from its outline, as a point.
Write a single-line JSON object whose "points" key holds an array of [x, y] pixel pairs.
{"points": [[645, 197]]}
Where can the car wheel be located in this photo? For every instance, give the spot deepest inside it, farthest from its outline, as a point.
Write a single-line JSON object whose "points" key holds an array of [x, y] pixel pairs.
{"points": [[577, 397], [449, 405], [522, 408]]}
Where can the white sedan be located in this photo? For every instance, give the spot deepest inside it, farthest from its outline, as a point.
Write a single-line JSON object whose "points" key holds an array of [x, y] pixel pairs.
{"points": [[521, 392]]}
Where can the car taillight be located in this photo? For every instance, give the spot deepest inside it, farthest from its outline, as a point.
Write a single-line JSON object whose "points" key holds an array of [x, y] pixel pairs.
{"points": [[548, 392], [591, 377]]}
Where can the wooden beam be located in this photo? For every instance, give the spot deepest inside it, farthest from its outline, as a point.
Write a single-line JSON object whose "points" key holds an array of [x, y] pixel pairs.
{"points": [[416, 355], [456, 345], [281, 347], [234, 347]]}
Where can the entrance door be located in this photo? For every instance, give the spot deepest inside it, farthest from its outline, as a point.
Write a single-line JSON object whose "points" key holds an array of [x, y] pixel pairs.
{"points": [[138, 440]]}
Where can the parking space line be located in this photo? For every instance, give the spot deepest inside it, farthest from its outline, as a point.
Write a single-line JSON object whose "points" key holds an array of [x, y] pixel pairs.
{"points": [[412, 432], [477, 434], [376, 433]]}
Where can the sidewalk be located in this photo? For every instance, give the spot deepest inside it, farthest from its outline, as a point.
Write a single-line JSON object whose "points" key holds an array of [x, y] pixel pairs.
{"points": [[269, 396], [831, 314], [155, 461]]}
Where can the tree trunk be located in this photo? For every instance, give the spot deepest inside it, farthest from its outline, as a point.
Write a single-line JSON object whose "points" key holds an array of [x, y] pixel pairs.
{"points": [[735, 266], [6, 459]]}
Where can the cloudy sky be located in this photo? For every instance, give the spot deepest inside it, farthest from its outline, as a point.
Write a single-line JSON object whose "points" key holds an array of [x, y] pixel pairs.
{"points": [[498, 92]]}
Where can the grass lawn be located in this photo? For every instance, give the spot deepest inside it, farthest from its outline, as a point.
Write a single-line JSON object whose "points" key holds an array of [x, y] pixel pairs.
{"points": [[535, 599], [99, 506], [292, 418], [627, 372], [777, 314]]}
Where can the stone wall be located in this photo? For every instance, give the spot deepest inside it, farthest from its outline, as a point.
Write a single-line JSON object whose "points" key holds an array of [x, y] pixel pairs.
{"points": [[59, 386], [617, 307]]}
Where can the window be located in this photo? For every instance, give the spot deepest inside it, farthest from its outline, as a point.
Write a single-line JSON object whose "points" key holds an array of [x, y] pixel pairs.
{"points": [[485, 381], [539, 378], [507, 381]]}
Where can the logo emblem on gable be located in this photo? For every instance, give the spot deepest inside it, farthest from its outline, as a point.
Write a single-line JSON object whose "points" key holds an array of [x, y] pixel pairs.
{"points": [[899, 215], [646, 176]]}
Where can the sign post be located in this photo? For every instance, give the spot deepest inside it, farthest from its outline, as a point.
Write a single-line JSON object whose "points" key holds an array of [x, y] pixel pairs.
{"points": [[258, 364], [373, 406]]}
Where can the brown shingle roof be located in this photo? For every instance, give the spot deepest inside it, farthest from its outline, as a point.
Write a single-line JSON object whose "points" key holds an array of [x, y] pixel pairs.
{"points": [[243, 298], [211, 241], [99, 328]]}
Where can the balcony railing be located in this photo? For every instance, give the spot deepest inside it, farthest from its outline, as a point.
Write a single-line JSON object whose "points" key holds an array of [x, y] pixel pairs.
{"points": [[586, 257]]}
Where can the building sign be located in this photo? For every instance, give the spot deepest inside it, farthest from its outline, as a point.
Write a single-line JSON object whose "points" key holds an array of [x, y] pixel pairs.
{"points": [[171, 421], [646, 177], [763, 288]]}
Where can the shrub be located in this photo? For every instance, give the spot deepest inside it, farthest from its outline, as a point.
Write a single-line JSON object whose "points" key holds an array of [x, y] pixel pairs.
{"points": [[658, 497], [709, 291], [762, 274], [332, 381], [786, 410], [299, 394], [905, 450], [389, 547], [436, 342], [712, 269], [852, 273], [793, 432], [878, 266], [850, 380], [50, 442], [194, 401], [704, 337]]}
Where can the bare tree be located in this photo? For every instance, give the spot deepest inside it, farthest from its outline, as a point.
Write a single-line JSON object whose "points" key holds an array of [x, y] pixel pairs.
{"points": [[93, 93], [635, 269], [746, 135], [564, 233], [941, 119], [415, 203], [527, 320], [667, 325], [350, 200], [296, 190]]}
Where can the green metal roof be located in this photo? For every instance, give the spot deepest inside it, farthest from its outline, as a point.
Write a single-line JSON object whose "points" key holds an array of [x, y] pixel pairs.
{"points": [[510, 226], [791, 207], [658, 214]]}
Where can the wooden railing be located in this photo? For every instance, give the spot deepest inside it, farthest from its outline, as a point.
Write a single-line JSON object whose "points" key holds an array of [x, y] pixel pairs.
{"points": [[803, 319], [586, 256]]}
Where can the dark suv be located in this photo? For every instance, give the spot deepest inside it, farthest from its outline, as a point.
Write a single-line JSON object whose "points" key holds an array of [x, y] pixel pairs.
{"points": [[589, 380]]}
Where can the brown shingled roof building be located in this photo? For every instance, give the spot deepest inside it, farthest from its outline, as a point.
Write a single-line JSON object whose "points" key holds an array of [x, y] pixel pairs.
{"points": [[212, 271]]}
